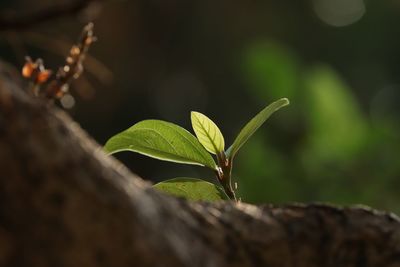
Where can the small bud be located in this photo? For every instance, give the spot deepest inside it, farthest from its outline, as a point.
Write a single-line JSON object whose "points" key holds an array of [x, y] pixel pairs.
{"points": [[70, 60], [43, 76], [28, 68], [75, 50], [78, 71], [64, 88], [61, 91], [89, 40]]}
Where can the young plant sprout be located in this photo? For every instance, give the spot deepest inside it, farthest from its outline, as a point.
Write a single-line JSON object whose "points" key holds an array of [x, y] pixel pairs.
{"points": [[167, 141]]}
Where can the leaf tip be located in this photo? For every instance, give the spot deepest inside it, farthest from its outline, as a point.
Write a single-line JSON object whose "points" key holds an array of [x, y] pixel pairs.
{"points": [[285, 101], [194, 114]]}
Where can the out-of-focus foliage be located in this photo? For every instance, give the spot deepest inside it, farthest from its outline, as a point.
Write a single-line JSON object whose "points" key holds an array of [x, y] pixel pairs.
{"points": [[337, 61], [339, 157]]}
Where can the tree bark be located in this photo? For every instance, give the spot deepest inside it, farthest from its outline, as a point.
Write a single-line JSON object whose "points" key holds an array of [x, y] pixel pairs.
{"points": [[63, 202]]}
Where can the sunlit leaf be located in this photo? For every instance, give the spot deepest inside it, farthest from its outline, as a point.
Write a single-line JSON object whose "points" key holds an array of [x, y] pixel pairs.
{"points": [[254, 124], [192, 189], [161, 140], [208, 133]]}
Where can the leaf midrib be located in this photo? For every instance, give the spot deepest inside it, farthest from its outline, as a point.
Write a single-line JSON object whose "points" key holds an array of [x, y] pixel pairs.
{"points": [[180, 134], [177, 158], [207, 134]]}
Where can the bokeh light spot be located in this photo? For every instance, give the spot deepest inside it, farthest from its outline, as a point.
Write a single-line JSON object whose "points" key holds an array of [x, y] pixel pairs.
{"points": [[67, 101], [339, 13]]}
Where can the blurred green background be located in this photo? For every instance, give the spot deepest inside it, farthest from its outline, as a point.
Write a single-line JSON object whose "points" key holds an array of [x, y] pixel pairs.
{"points": [[338, 62]]}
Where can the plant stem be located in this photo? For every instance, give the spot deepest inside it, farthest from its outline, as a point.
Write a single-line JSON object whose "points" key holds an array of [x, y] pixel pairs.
{"points": [[224, 175]]}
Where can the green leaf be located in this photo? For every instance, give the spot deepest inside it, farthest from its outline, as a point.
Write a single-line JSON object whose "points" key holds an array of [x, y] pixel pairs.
{"points": [[161, 140], [208, 133], [192, 189], [254, 124]]}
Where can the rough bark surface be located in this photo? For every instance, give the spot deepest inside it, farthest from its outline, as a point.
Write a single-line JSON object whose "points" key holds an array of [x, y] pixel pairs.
{"points": [[63, 202]]}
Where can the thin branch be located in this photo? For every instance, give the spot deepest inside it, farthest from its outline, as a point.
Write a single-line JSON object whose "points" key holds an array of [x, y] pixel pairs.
{"points": [[71, 70], [22, 22], [59, 47]]}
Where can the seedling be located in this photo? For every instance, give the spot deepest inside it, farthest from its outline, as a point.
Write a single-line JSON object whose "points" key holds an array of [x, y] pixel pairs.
{"points": [[170, 142]]}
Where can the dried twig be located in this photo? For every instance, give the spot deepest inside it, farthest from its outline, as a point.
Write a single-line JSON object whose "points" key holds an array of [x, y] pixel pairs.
{"points": [[22, 22], [73, 67], [71, 70], [58, 46]]}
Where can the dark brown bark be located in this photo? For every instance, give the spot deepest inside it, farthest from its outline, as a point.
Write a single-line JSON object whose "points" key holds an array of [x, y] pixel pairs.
{"points": [[63, 202]]}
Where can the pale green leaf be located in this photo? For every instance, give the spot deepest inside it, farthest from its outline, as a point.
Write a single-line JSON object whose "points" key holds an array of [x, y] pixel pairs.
{"points": [[192, 189], [207, 132], [161, 140], [254, 124]]}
